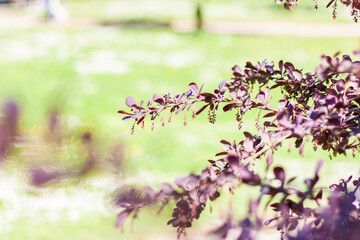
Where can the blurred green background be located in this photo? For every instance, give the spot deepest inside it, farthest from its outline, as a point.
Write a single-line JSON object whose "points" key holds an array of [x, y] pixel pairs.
{"points": [[86, 67]]}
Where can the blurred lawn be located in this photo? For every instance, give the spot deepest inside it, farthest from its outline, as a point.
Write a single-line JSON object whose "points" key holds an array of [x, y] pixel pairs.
{"points": [[226, 10], [88, 73]]}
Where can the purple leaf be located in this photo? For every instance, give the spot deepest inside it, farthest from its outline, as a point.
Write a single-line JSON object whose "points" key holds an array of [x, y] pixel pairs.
{"points": [[127, 117], [181, 108], [283, 118], [123, 112], [158, 99], [201, 88], [261, 97], [319, 194], [298, 75], [249, 144], [194, 89], [120, 219], [293, 224], [270, 114], [221, 154], [290, 180], [228, 107], [130, 101], [249, 178], [270, 159], [329, 3], [279, 173], [201, 109], [166, 189], [281, 65], [226, 145], [233, 161], [340, 86], [40, 176]]}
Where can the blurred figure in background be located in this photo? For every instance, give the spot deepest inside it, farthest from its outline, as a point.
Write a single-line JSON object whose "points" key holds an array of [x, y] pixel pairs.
{"points": [[54, 10]]}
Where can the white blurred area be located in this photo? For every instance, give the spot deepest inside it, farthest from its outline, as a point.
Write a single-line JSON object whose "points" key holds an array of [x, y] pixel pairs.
{"points": [[52, 10]]}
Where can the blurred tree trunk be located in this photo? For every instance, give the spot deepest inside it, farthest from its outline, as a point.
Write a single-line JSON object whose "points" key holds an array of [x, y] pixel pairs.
{"points": [[199, 16]]}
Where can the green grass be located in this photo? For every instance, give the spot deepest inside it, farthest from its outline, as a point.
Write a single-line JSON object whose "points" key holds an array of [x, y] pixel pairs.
{"points": [[71, 71], [90, 227], [156, 62]]}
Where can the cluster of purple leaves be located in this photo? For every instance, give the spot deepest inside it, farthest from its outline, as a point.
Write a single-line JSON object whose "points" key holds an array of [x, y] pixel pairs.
{"points": [[322, 106], [337, 218], [354, 4], [13, 140], [191, 195]]}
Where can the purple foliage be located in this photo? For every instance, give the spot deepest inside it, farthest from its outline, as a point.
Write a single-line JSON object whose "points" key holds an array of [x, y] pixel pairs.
{"points": [[353, 4], [8, 127], [323, 106]]}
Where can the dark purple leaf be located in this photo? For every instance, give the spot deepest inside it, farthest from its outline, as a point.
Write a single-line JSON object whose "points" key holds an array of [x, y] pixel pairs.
{"points": [[279, 173], [319, 194], [123, 112], [127, 117], [329, 3], [228, 107], [340, 86], [290, 180], [233, 161], [221, 154], [281, 65], [226, 145], [201, 109]]}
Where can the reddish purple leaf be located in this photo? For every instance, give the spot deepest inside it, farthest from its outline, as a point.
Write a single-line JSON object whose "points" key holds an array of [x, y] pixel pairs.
{"points": [[123, 112], [279, 173], [270, 114], [228, 107], [201, 109]]}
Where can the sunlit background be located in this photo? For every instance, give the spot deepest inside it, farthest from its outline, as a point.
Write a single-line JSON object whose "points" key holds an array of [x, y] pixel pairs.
{"points": [[67, 70]]}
